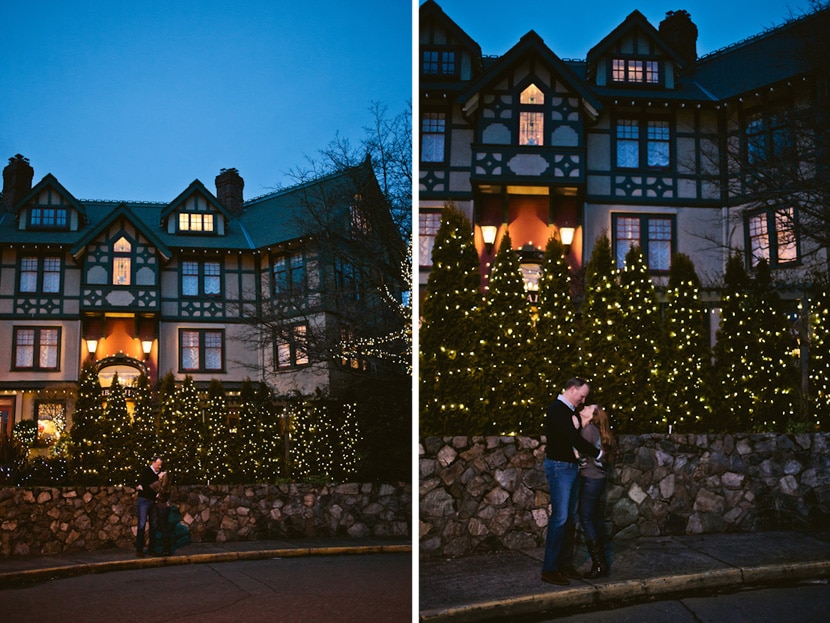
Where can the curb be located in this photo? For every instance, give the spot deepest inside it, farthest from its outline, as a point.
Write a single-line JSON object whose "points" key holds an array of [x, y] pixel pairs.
{"points": [[72, 570], [629, 590]]}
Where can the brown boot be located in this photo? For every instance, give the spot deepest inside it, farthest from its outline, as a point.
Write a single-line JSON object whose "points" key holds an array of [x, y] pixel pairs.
{"points": [[599, 569]]}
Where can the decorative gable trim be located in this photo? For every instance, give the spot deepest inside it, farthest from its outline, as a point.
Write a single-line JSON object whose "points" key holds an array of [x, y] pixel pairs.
{"points": [[530, 45], [177, 205], [121, 211], [50, 182]]}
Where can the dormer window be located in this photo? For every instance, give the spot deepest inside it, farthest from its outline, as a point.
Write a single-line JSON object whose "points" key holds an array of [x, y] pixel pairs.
{"points": [[531, 116], [122, 262], [48, 218], [197, 222], [439, 63], [635, 71]]}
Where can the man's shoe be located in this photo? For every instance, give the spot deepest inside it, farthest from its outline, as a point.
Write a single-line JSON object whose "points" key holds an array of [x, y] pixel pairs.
{"points": [[555, 577], [569, 572]]}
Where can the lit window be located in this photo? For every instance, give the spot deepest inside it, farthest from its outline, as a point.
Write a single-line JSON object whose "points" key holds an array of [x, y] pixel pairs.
{"points": [[28, 274], [636, 71], [36, 348], [428, 224], [643, 144], [196, 221], [433, 137], [291, 349], [531, 116], [201, 350], [772, 237], [653, 234]]}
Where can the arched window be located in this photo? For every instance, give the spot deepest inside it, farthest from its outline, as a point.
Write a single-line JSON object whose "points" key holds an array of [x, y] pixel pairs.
{"points": [[532, 116], [122, 262]]}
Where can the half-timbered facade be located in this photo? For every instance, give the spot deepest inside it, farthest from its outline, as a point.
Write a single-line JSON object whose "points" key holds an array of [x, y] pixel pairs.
{"points": [[188, 287], [637, 141]]}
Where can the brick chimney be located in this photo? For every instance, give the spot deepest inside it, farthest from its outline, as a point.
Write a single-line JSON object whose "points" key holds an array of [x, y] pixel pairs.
{"points": [[680, 32], [17, 181], [229, 185]]}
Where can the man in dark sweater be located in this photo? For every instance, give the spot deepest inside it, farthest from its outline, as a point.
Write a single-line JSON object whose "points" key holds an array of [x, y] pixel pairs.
{"points": [[562, 471], [146, 498]]}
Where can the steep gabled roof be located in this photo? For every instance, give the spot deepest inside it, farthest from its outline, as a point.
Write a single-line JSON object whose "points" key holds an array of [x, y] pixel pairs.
{"points": [[50, 180], [634, 21], [530, 45], [195, 186], [429, 10], [121, 211]]}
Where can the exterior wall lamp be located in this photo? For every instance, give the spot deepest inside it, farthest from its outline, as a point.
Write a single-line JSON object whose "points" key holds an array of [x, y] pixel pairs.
{"points": [[488, 234], [567, 235], [146, 346], [92, 346]]}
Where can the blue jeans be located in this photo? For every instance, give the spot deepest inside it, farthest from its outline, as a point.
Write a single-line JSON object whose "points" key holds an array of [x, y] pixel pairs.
{"points": [[563, 482], [590, 491], [145, 507]]}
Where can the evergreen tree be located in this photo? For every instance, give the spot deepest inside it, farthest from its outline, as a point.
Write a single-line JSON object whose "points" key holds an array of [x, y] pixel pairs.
{"points": [[557, 349], [602, 317], [775, 393], [733, 344], [217, 458], [505, 352], [753, 353], [86, 432], [189, 432], [450, 389], [171, 437], [118, 439], [145, 436], [820, 359], [643, 342], [268, 434], [686, 403], [249, 457]]}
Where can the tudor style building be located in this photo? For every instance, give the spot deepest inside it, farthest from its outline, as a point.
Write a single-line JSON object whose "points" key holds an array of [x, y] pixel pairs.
{"points": [[208, 285], [642, 140]]}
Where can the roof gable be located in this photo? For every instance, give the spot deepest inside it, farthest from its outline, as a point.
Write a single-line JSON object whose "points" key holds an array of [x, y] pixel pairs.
{"points": [[636, 23], [431, 12], [179, 203], [122, 211], [50, 182], [531, 46]]}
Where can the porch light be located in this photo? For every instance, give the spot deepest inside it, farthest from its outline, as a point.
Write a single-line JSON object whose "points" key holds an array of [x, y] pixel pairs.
{"points": [[567, 235], [146, 346], [488, 233], [91, 345]]}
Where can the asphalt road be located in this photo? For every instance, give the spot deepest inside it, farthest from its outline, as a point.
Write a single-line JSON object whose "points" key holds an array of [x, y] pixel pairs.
{"points": [[374, 587], [804, 603]]}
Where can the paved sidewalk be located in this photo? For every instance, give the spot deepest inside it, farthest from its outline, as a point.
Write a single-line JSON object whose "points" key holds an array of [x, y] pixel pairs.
{"points": [[22, 570], [507, 585]]}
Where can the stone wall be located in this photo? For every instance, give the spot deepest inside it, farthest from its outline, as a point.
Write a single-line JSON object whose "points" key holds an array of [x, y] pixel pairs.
{"points": [[484, 493], [43, 520]]}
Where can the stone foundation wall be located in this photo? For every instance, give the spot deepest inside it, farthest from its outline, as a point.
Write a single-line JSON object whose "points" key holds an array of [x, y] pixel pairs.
{"points": [[484, 493], [43, 520]]}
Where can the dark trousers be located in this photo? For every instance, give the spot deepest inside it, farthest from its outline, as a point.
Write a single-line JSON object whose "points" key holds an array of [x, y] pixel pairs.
{"points": [[145, 512], [161, 514], [589, 507]]}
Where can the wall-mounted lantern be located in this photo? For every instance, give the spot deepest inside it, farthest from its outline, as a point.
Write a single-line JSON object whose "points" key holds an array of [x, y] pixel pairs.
{"points": [[567, 235], [488, 234], [92, 346]]}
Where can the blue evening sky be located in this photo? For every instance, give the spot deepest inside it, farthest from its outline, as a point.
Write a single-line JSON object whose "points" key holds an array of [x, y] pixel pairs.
{"points": [[572, 28], [135, 99]]}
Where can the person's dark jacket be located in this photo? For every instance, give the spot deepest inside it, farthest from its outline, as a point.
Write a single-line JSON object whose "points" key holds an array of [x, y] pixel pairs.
{"points": [[146, 480], [562, 436]]}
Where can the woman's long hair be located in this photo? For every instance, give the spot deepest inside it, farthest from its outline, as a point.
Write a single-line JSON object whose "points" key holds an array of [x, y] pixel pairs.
{"points": [[603, 423]]}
